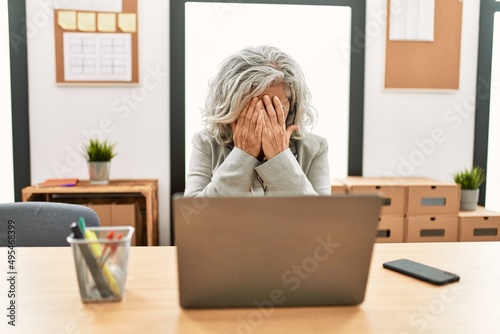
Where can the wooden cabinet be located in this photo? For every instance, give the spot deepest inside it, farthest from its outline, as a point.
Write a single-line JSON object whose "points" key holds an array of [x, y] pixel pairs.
{"points": [[144, 192]]}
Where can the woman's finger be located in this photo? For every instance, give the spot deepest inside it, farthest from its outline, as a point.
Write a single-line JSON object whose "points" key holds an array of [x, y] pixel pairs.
{"points": [[265, 120], [280, 112], [260, 125], [251, 110], [256, 113], [291, 129], [271, 113], [241, 118]]}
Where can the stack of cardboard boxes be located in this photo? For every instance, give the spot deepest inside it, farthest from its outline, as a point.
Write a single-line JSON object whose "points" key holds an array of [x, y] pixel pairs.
{"points": [[422, 210], [432, 210], [479, 225]]}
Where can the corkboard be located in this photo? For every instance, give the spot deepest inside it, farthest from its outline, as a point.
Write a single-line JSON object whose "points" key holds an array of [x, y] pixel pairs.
{"points": [[128, 6], [427, 65]]}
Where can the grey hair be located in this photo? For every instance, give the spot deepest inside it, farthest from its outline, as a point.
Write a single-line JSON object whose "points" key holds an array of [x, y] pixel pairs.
{"points": [[248, 73]]}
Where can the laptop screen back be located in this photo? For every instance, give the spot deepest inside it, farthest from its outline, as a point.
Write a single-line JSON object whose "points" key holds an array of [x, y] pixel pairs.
{"points": [[245, 251]]}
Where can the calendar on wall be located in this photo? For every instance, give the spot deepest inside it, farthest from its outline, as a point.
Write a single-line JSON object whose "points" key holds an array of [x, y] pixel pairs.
{"points": [[96, 41]]}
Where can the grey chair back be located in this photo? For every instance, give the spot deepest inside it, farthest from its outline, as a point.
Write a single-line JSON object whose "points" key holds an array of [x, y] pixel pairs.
{"points": [[41, 223]]}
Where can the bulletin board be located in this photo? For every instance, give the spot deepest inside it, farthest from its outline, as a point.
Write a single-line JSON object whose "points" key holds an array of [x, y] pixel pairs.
{"points": [[427, 65], [96, 41]]}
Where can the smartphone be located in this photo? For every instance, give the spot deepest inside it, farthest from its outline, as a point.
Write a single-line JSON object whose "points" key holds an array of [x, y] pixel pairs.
{"points": [[421, 271]]}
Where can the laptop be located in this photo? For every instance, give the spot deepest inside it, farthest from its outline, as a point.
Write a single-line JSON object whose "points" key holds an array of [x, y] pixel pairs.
{"points": [[274, 251]]}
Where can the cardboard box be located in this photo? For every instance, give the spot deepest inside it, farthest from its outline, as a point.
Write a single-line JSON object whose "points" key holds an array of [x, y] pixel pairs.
{"points": [[104, 213], [115, 214], [479, 225], [431, 228], [391, 229], [393, 191], [432, 197], [338, 187]]}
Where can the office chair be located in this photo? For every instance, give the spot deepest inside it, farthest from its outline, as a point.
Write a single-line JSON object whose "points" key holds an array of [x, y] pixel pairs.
{"points": [[41, 223]]}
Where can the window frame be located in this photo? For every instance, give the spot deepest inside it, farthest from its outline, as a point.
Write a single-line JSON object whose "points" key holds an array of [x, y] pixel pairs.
{"points": [[177, 83]]}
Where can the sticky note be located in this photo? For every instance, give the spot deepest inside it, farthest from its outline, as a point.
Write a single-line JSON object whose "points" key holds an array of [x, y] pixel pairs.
{"points": [[106, 22], [67, 19], [127, 22], [86, 21]]}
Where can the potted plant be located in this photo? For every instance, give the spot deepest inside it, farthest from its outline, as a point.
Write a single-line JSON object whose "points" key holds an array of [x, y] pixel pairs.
{"points": [[99, 154], [470, 180]]}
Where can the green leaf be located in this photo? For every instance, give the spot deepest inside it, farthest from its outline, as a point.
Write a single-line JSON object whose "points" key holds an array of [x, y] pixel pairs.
{"points": [[96, 150], [470, 178]]}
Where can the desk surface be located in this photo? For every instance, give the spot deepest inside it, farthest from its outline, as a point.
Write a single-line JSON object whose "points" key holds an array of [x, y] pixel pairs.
{"points": [[48, 300]]}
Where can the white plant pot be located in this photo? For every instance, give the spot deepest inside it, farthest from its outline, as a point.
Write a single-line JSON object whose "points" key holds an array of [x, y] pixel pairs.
{"points": [[469, 199], [99, 172]]}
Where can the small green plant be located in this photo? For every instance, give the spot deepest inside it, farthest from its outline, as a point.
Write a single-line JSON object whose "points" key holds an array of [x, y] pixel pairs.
{"points": [[96, 150], [470, 178]]}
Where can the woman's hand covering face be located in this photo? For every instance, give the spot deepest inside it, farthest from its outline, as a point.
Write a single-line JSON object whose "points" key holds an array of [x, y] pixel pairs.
{"points": [[261, 129], [275, 134], [247, 129]]}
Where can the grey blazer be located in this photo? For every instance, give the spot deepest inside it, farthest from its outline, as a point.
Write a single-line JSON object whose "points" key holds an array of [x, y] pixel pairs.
{"points": [[216, 170]]}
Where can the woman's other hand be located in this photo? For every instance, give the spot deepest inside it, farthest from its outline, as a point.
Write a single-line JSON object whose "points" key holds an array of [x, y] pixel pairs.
{"points": [[275, 134], [247, 129]]}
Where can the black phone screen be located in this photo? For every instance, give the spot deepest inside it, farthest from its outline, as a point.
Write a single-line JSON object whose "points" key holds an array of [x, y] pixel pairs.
{"points": [[421, 271]]}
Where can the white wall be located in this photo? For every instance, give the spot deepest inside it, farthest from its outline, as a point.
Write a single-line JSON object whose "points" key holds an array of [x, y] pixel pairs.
{"points": [[399, 126], [7, 160], [492, 191], [208, 23], [135, 118]]}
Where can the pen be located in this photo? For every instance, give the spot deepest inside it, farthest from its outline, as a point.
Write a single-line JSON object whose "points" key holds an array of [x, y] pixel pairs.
{"points": [[106, 249], [111, 251]]}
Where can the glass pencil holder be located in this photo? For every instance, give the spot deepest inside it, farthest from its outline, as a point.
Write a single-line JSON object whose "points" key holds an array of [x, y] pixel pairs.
{"points": [[101, 260]]}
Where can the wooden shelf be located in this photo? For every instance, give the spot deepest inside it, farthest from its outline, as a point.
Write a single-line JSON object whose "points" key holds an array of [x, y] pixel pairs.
{"points": [[141, 191]]}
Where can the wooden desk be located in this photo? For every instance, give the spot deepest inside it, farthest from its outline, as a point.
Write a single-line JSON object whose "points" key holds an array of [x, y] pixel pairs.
{"points": [[116, 190], [49, 302]]}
